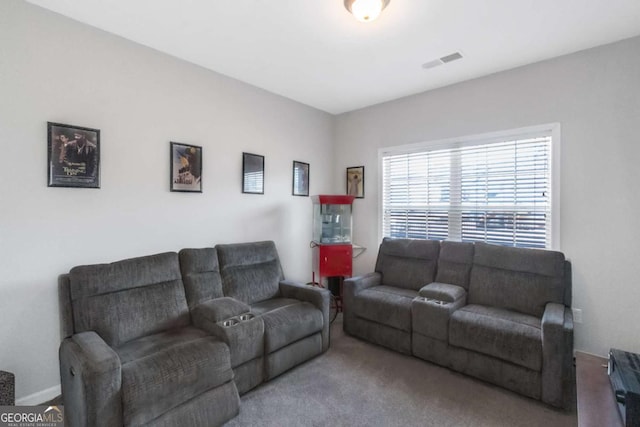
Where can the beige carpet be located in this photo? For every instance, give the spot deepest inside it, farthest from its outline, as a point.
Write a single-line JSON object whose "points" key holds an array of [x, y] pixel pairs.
{"points": [[360, 384]]}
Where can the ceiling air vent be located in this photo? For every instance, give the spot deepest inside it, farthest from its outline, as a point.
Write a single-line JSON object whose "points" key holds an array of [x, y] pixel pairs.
{"points": [[445, 59], [452, 57]]}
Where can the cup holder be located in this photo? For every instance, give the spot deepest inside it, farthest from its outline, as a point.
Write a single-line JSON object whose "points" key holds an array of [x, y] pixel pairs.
{"points": [[246, 316], [435, 301], [230, 322]]}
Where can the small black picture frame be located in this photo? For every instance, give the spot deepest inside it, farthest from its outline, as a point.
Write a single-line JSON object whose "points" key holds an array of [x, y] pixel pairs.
{"points": [[252, 173], [73, 156], [186, 168], [355, 181], [300, 179]]}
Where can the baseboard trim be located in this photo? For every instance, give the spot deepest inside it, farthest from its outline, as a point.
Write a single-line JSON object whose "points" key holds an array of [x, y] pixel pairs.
{"points": [[590, 354], [39, 397]]}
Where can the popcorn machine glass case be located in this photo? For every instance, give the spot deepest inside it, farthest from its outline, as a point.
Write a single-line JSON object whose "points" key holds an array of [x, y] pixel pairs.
{"points": [[332, 250]]}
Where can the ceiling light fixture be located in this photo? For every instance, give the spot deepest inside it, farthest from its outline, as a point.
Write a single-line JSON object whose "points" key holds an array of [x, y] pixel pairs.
{"points": [[365, 10]]}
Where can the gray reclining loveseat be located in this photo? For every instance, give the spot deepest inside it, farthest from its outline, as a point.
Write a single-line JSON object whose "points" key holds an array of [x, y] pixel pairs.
{"points": [[131, 355], [173, 339], [497, 313]]}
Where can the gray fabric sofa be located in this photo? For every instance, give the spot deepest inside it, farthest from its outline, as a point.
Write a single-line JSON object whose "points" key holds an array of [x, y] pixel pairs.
{"points": [[171, 339], [497, 313]]}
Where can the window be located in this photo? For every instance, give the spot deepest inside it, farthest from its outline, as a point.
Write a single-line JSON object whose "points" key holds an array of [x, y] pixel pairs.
{"points": [[488, 189]]}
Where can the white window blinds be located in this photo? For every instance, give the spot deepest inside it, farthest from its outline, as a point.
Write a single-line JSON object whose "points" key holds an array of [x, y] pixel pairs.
{"points": [[498, 192]]}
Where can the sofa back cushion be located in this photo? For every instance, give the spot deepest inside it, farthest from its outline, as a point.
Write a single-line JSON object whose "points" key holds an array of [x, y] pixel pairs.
{"points": [[201, 275], [129, 299], [519, 279], [251, 272], [454, 263], [407, 263]]}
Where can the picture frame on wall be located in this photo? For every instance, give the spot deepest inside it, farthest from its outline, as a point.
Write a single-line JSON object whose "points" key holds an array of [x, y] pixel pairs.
{"points": [[186, 168], [355, 181], [73, 156], [252, 173], [300, 179]]}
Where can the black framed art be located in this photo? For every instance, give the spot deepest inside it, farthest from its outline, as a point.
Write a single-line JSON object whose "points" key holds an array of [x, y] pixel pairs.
{"points": [[355, 181], [252, 173], [186, 168], [300, 179], [73, 156]]}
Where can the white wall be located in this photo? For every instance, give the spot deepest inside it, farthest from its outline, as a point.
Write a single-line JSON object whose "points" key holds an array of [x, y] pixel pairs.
{"points": [[54, 69], [595, 95]]}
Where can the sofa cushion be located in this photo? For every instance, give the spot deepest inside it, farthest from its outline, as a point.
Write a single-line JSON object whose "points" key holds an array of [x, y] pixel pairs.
{"points": [[129, 299], [200, 274], [454, 263], [289, 323], [443, 292], [162, 371], [504, 334], [407, 263], [251, 272], [519, 279], [151, 344], [387, 305]]}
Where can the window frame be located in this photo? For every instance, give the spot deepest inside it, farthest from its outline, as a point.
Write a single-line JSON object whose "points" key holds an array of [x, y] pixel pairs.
{"points": [[552, 129]]}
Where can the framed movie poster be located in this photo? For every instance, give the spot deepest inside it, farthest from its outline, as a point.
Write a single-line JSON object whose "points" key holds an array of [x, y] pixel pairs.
{"points": [[73, 156], [355, 181], [186, 168], [252, 173], [300, 179]]}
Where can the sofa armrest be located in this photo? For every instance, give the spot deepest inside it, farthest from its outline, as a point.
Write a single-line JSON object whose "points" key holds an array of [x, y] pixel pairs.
{"points": [[218, 309], [91, 376], [557, 354], [319, 297], [350, 289], [354, 285]]}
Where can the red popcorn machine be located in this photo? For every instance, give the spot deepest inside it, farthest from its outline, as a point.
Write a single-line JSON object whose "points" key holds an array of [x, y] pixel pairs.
{"points": [[332, 249]]}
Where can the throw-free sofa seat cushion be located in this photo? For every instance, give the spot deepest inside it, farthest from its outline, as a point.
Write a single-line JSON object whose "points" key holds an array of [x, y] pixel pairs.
{"points": [[162, 371], [497, 332], [289, 323], [386, 305]]}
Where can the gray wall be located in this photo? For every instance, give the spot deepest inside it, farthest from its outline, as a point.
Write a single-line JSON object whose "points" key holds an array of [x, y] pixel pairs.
{"points": [[54, 69], [595, 95]]}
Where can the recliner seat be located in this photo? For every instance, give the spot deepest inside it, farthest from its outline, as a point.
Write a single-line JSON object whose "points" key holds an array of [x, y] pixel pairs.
{"points": [[296, 317]]}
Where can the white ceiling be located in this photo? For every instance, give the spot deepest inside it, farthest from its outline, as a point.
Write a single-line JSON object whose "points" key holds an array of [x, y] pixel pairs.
{"points": [[315, 52]]}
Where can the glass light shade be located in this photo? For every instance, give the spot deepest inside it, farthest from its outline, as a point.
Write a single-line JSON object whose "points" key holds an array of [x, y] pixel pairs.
{"points": [[366, 10]]}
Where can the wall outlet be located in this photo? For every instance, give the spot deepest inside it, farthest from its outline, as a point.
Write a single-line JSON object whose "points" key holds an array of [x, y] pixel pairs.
{"points": [[577, 315]]}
